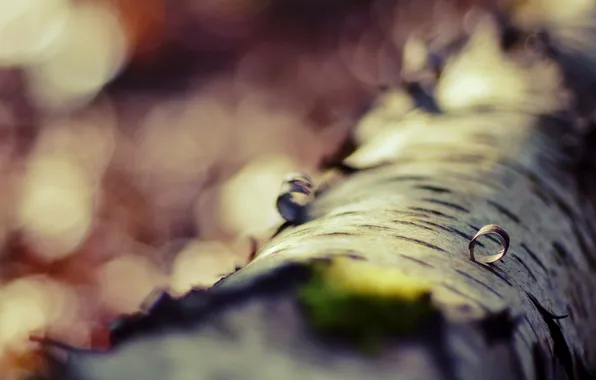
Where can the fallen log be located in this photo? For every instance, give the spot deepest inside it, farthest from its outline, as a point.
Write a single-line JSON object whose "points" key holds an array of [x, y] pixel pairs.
{"points": [[375, 279]]}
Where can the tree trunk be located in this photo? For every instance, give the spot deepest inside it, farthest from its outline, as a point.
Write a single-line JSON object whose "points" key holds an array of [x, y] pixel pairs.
{"points": [[415, 194]]}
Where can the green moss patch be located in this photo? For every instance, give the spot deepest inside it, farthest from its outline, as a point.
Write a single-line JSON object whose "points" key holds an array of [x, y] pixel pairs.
{"points": [[364, 303]]}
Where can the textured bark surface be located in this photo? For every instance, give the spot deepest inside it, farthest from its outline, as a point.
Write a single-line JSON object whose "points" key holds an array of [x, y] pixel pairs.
{"points": [[413, 197]]}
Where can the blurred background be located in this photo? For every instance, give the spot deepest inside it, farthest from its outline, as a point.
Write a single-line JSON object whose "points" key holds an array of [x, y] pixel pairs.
{"points": [[143, 142]]}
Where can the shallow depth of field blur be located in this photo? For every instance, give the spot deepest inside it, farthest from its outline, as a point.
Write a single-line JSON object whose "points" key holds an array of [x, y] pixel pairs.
{"points": [[143, 142]]}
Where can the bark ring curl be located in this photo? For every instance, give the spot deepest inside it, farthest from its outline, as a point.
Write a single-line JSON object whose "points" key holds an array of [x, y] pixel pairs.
{"points": [[500, 234]]}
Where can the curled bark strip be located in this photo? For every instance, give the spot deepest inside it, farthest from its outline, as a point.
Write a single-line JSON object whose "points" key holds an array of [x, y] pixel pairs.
{"points": [[295, 195], [500, 234]]}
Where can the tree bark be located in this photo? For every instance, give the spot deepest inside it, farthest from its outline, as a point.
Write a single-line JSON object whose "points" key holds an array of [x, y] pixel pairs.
{"points": [[412, 198]]}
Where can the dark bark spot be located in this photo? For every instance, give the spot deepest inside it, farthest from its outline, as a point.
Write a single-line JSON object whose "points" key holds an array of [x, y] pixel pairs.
{"points": [[400, 178], [345, 213], [356, 257], [436, 225], [417, 261], [479, 282], [550, 193], [578, 305], [453, 206], [373, 227], [565, 208], [434, 189], [543, 186], [420, 242], [494, 270], [521, 262], [411, 224], [409, 213], [562, 253], [335, 234], [432, 212], [503, 210], [583, 246], [534, 257], [348, 254], [540, 194], [465, 236], [454, 231]]}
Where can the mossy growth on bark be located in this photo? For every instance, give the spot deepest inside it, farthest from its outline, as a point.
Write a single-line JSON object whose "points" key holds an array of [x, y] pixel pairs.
{"points": [[364, 303]]}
